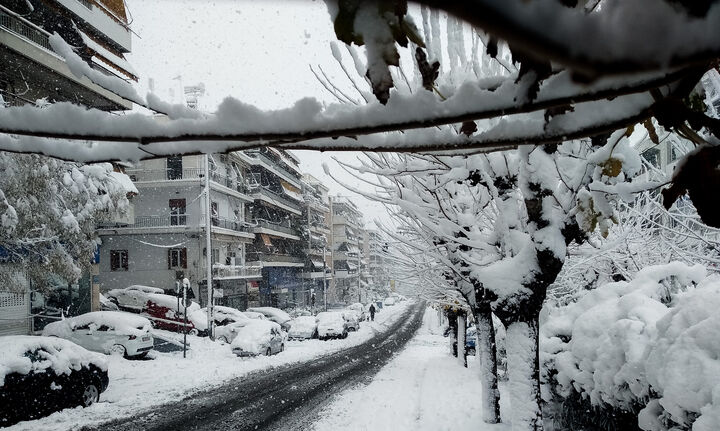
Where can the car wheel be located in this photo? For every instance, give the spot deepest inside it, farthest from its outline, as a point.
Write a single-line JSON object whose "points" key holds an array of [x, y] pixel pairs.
{"points": [[268, 352], [193, 331], [90, 395], [117, 350], [344, 335]]}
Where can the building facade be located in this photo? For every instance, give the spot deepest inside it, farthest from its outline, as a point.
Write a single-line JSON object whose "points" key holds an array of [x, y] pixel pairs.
{"points": [[347, 244], [32, 73]]}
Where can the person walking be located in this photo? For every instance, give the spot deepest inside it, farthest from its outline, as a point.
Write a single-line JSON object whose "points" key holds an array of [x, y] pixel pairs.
{"points": [[372, 312]]}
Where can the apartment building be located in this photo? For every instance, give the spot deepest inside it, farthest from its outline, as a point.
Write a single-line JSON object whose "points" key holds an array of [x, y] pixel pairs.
{"points": [[347, 243], [317, 275], [31, 71], [379, 265]]}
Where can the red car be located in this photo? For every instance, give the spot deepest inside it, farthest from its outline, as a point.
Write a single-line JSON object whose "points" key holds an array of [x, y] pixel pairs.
{"points": [[164, 313]]}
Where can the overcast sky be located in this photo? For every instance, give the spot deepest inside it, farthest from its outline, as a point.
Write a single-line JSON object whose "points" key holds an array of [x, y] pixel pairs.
{"points": [[257, 51]]}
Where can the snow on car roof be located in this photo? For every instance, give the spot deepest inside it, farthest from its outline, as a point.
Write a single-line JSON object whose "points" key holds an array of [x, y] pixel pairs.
{"points": [[254, 315], [326, 316], [122, 323], [272, 311], [220, 312], [302, 324], [62, 356], [149, 289], [171, 302]]}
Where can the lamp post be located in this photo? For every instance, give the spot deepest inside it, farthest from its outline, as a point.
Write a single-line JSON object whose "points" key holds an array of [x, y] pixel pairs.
{"points": [[208, 246], [186, 286]]}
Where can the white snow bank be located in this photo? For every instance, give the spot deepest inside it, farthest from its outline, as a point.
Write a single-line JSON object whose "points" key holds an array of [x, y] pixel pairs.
{"points": [[683, 364], [598, 344], [60, 355]]}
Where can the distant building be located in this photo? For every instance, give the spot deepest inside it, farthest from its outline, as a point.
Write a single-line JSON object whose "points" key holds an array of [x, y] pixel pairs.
{"points": [[317, 274], [347, 243], [31, 71]]}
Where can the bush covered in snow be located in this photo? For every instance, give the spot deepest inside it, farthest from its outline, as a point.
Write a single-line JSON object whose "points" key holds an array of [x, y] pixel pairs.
{"points": [[634, 345]]}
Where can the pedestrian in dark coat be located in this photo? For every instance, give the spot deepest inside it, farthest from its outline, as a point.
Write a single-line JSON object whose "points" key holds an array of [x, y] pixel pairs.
{"points": [[372, 312]]}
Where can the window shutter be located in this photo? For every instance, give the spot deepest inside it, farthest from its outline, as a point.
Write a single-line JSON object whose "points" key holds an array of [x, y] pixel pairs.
{"points": [[183, 258], [169, 258]]}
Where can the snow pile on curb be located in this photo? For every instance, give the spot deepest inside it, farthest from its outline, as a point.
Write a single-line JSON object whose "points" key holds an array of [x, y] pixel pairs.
{"points": [[626, 343]]}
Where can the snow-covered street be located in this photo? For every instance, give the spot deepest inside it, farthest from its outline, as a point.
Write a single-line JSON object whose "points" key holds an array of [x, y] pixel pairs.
{"points": [[138, 386], [422, 388]]}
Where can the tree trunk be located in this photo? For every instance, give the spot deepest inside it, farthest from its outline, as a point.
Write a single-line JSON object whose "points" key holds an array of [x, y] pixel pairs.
{"points": [[485, 351], [462, 355], [524, 371]]}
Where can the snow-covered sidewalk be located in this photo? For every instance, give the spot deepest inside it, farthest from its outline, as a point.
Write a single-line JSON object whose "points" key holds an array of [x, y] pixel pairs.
{"points": [[422, 388], [139, 385]]}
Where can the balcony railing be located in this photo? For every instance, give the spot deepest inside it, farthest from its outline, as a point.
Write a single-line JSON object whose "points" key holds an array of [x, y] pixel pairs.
{"points": [[266, 224], [274, 164], [24, 28], [258, 256], [226, 223], [257, 189], [140, 175], [235, 271]]}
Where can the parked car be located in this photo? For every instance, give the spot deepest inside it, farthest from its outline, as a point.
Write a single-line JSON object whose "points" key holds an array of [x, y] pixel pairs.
{"points": [[41, 375], [352, 319], [470, 337], [255, 315], [166, 312], [227, 333], [107, 305], [109, 332], [258, 337], [389, 301], [132, 298], [276, 315], [360, 309], [226, 315], [331, 324], [303, 328]]}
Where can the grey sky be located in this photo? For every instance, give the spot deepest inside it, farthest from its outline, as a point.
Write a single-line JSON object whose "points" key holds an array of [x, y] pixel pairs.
{"points": [[257, 51]]}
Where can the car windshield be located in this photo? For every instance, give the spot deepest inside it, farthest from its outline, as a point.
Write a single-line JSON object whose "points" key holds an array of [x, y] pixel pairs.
{"points": [[547, 171]]}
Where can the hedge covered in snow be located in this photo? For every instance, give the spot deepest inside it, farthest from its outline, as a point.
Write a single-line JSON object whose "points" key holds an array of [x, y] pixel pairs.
{"points": [[650, 346]]}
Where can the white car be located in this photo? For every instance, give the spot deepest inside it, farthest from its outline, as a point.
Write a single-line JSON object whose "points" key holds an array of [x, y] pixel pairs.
{"points": [[258, 337], [303, 328], [275, 314], [109, 332], [227, 333], [389, 301], [360, 309], [331, 324], [254, 315], [133, 298], [226, 315], [352, 319]]}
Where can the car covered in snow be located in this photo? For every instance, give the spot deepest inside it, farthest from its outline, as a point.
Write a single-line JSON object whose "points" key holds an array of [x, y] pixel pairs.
{"points": [[41, 375], [331, 324], [110, 332], [227, 333], [132, 298], [470, 337], [360, 309], [389, 301], [167, 312], [275, 314], [254, 315], [258, 337], [352, 319], [226, 315], [303, 328]]}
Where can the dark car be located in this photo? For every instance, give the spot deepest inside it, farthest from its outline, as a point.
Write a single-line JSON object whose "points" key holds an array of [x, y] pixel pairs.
{"points": [[41, 375], [470, 337]]}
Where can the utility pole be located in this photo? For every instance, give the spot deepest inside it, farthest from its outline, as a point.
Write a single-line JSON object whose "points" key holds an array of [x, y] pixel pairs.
{"points": [[208, 247], [324, 280]]}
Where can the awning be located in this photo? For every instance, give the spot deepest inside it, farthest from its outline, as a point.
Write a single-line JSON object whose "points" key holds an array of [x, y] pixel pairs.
{"points": [[253, 285], [108, 57], [351, 267], [318, 238], [266, 239], [318, 264], [291, 191]]}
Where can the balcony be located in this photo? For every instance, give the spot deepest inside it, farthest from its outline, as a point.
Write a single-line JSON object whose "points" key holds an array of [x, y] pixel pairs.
{"points": [[275, 259], [275, 198], [275, 167], [159, 221], [272, 226], [20, 26], [236, 271], [151, 175]]}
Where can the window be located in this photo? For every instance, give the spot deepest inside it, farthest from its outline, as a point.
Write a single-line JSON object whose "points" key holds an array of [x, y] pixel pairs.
{"points": [[177, 212], [215, 255], [177, 258], [174, 168], [652, 155], [118, 260]]}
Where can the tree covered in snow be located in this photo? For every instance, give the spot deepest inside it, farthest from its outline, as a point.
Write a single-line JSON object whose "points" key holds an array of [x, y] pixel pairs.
{"points": [[49, 210]]}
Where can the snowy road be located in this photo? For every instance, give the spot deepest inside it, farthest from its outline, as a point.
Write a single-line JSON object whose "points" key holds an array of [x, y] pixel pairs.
{"points": [[285, 397]]}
